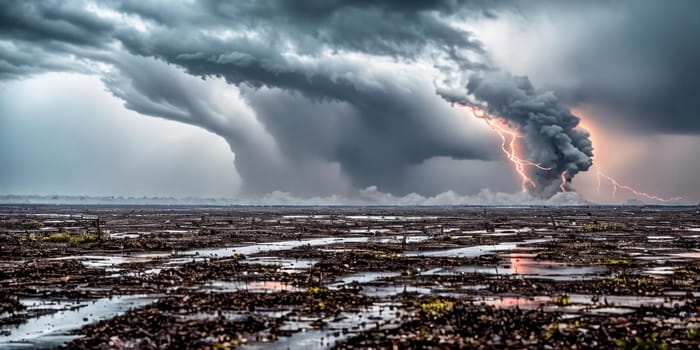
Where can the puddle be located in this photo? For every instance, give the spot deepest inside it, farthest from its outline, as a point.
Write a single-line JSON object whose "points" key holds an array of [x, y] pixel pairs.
{"points": [[475, 251], [369, 230], [530, 268], [691, 255], [680, 293], [475, 287], [305, 216], [286, 265], [124, 235], [52, 330], [176, 232], [197, 254], [105, 261], [371, 285], [500, 231], [382, 291], [400, 239], [109, 262], [610, 311], [522, 302], [267, 247], [660, 270], [582, 303], [362, 278], [501, 234], [623, 300], [656, 238], [388, 218], [344, 325], [132, 235], [256, 286]]}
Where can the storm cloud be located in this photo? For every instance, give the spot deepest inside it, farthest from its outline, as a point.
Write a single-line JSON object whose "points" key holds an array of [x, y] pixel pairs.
{"points": [[316, 118], [649, 71], [548, 128], [315, 98], [635, 63]]}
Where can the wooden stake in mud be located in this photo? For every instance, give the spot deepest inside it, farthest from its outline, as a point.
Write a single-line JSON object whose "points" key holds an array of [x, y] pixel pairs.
{"points": [[554, 222]]}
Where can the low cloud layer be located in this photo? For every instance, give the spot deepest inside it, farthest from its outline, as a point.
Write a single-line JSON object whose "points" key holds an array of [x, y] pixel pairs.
{"points": [[372, 196], [366, 197]]}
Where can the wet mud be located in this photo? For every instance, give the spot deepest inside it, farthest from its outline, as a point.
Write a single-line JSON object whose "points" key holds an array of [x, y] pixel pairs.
{"points": [[253, 278]]}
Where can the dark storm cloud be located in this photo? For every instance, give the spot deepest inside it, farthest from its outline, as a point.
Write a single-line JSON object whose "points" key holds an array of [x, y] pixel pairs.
{"points": [[374, 143], [46, 21], [548, 127], [42, 36], [339, 90], [268, 32], [380, 126], [637, 60], [311, 54], [398, 28], [290, 137]]}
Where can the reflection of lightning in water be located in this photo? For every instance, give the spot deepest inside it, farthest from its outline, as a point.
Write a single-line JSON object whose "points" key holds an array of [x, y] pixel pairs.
{"points": [[618, 185], [509, 137]]}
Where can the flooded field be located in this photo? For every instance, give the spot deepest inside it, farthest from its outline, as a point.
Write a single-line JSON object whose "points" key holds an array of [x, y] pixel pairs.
{"points": [[310, 278]]}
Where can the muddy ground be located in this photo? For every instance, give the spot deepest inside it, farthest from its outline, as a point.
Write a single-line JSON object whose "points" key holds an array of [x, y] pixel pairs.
{"points": [[177, 277]]}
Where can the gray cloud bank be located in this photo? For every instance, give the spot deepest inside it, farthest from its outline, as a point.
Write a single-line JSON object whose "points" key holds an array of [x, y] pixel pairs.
{"points": [[367, 196], [330, 96]]}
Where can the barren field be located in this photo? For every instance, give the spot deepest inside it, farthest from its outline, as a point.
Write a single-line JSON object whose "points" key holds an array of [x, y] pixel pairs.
{"points": [[309, 278]]}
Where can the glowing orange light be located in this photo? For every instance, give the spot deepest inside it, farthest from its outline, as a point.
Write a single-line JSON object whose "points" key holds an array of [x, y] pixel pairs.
{"points": [[509, 146], [616, 184]]}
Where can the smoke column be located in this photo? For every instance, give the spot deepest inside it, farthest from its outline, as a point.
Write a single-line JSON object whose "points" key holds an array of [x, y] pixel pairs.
{"points": [[548, 129]]}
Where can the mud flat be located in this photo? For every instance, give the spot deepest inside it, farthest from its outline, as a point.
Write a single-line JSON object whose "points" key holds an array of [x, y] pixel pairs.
{"points": [[294, 278]]}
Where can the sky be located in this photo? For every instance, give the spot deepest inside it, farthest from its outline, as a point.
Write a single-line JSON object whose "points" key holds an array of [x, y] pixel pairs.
{"points": [[352, 102]]}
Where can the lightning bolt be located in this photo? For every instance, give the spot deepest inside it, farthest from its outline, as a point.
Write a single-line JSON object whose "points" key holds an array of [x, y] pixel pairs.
{"points": [[563, 181], [617, 185], [509, 147], [509, 139]]}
